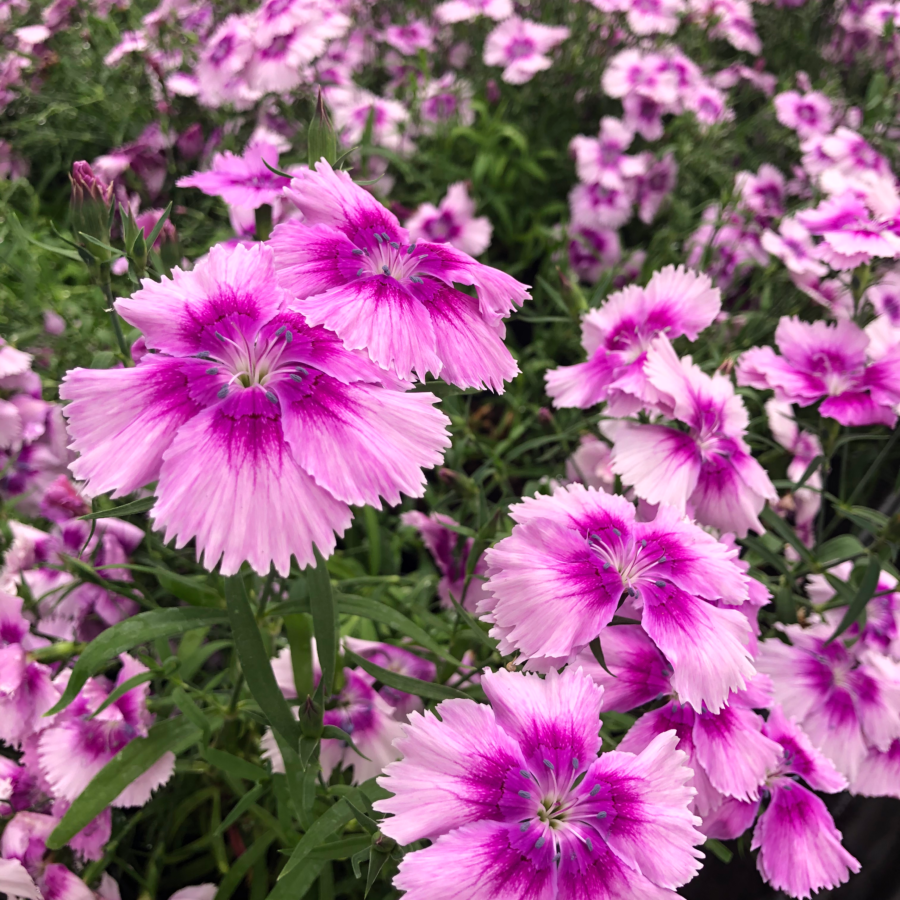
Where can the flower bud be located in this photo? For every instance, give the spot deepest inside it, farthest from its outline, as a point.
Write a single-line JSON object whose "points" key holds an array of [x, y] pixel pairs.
{"points": [[91, 198], [321, 139]]}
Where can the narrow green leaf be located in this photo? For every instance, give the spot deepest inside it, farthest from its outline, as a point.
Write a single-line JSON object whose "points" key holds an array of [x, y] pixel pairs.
{"points": [[404, 682], [474, 627], [775, 523], [242, 865], [241, 807], [719, 850], [296, 885], [354, 605], [325, 620], [377, 860], [338, 734], [139, 629], [341, 849], [255, 661], [839, 549], [863, 595], [234, 765], [333, 818], [597, 650], [190, 590], [122, 689], [191, 711], [126, 509], [158, 227], [169, 736]]}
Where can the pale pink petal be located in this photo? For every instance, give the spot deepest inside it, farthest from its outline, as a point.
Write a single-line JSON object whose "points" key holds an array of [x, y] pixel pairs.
{"points": [[456, 770], [361, 442], [230, 480], [706, 646], [122, 444]]}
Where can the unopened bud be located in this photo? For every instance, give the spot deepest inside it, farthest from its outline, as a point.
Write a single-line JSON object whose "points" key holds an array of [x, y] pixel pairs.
{"points": [[321, 139], [91, 198]]}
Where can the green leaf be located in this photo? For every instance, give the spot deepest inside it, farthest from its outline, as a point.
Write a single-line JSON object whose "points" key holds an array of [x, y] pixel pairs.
{"points": [[122, 689], [296, 885], [139, 629], [338, 734], [126, 509], [354, 605], [597, 650], [839, 549], [234, 765], [169, 736], [325, 620], [191, 711], [377, 860], [241, 807], [255, 661], [333, 818], [190, 590], [341, 849], [863, 595], [242, 865], [404, 682], [719, 850], [158, 227], [775, 523]]}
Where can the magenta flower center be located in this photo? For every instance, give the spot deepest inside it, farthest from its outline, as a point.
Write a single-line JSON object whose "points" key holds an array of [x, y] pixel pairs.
{"points": [[519, 48], [625, 557]]}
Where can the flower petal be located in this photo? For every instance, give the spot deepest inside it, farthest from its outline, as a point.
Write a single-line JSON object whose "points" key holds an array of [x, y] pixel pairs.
{"points": [[706, 646], [232, 291], [123, 420], [362, 441], [229, 480], [379, 315], [482, 861], [458, 769]]}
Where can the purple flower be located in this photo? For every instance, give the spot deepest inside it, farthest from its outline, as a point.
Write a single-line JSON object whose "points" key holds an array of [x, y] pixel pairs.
{"points": [[821, 360], [77, 744], [559, 578], [846, 701], [709, 466], [793, 245], [410, 38], [241, 180], [592, 251], [885, 297], [521, 47], [727, 750], [451, 11], [259, 429], [452, 222], [602, 160], [795, 817], [358, 709], [763, 193], [451, 555], [519, 805], [881, 629], [590, 464], [654, 185], [353, 108], [808, 114], [618, 335], [351, 267]]}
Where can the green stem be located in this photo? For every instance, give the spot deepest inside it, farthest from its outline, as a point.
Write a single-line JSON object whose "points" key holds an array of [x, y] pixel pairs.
{"points": [[106, 287]]}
